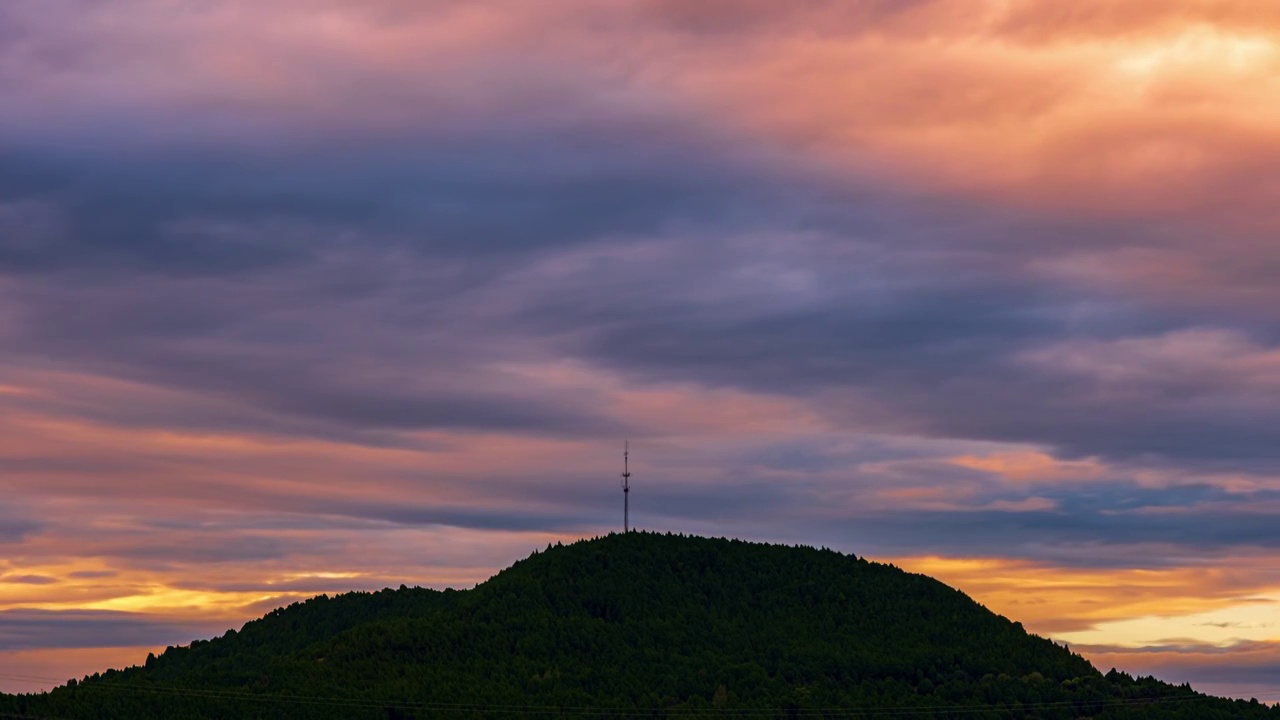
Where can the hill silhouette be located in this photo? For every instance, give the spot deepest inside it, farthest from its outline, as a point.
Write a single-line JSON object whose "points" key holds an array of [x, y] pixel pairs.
{"points": [[636, 625]]}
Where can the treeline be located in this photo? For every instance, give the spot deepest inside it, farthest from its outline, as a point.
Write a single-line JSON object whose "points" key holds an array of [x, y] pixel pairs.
{"points": [[637, 625]]}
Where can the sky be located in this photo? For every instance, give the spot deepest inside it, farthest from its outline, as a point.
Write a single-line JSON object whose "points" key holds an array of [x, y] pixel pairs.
{"points": [[304, 296]]}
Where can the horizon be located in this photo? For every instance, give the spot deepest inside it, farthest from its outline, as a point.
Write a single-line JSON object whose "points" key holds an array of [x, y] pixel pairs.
{"points": [[24, 682], [299, 297]]}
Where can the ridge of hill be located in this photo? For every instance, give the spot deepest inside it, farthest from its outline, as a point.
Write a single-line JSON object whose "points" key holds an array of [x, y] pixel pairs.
{"points": [[629, 625]]}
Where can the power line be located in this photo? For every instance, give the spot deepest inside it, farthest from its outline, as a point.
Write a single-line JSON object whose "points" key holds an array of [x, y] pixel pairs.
{"points": [[880, 711]]}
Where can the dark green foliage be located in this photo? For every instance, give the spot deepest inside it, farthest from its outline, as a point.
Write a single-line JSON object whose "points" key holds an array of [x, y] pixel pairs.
{"points": [[637, 625]]}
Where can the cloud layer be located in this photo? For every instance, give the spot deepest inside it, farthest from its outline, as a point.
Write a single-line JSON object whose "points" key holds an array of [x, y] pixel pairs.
{"points": [[297, 299]]}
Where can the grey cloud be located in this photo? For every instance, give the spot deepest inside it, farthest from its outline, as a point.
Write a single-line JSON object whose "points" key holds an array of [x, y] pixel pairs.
{"points": [[26, 629], [921, 308], [309, 586], [1242, 669], [560, 518], [936, 356], [1100, 524], [232, 365], [92, 574], [136, 549], [255, 279], [714, 18], [472, 192], [1089, 539], [15, 529], [28, 579]]}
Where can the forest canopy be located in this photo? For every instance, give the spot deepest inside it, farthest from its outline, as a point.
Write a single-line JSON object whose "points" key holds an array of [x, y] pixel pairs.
{"points": [[637, 624]]}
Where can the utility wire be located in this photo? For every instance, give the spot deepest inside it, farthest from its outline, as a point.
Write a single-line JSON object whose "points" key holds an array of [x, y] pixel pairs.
{"points": [[370, 703]]}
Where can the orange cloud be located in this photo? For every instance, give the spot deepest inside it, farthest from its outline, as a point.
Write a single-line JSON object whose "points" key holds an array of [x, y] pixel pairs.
{"points": [[38, 670], [1030, 466], [1051, 600], [1147, 106], [1124, 127]]}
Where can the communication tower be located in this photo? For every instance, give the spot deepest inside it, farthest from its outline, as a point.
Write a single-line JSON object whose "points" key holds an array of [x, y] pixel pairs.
{"points": [[626, 486]]}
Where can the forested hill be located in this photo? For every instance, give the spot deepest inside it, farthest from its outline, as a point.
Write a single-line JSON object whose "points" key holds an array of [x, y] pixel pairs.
{"points": [[636, 625]]}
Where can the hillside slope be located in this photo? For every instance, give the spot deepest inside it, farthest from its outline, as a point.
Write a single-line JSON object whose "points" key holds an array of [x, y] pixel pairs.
{"points": [[657, 625]]}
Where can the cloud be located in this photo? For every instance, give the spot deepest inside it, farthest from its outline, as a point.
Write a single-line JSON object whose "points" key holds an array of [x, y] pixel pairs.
{"points": [[960, 357], [920, 350], [16, 529], [57, 665], [28, 579], [1243, 669], [31, 629], [373, 290]]}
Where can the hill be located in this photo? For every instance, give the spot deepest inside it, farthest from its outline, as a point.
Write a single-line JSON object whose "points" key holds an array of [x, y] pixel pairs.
{"points": [[636, 625]]}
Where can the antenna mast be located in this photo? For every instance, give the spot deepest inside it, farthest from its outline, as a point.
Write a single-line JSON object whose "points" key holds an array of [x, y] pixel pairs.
{"points": [[626, 486]]}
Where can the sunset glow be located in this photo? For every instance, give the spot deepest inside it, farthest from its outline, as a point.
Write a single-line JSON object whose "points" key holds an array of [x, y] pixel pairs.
{"points": [[312, 297]]}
